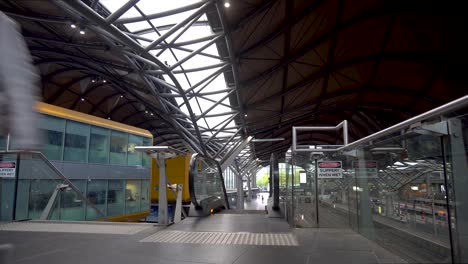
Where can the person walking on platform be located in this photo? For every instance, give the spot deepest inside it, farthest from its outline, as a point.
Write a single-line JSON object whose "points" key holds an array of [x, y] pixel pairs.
{"points": [[18, 87]]}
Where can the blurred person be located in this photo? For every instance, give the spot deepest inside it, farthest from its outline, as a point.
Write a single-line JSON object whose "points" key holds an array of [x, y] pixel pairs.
{"points": [[18, 87]]}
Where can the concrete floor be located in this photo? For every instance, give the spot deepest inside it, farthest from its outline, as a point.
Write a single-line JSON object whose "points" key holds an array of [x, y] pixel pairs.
{"points": [[257, 203], [315, 245]]}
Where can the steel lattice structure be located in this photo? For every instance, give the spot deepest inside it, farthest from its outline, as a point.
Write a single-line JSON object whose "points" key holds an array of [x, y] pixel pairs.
{"points": [[155, 72]]}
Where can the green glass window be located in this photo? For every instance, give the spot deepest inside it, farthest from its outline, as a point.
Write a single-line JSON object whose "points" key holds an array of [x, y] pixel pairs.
{"points": [[145, 190], [96, 194], [118, 148], [99, 145], [132, 196], [134, 157], [71, 204], [115, 198], [53, 131], [76, 141], [3, 141], [146, 159]]}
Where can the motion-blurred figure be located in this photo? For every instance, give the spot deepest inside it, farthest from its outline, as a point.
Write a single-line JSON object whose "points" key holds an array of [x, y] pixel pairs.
{"points": [[18, 87]]}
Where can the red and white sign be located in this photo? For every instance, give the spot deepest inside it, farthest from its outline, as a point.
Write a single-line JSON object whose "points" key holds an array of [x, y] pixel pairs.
{"points": [[366, 168], [7, 169], [330, 169]]}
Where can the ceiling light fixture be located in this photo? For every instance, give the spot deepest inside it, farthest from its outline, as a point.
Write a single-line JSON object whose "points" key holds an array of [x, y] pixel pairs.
{"points": [[72, 25], [227, 4], [104, 81], [121, 96], [82, 99], [82, 31]]}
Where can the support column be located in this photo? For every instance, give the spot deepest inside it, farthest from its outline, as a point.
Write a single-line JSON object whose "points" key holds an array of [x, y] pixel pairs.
{"points": [[249, 188], [459, 166], [365, 221], [162, 204]]}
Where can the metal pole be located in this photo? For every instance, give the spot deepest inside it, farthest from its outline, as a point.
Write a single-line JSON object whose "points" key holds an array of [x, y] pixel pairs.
{"points": [[316, 193], [15, 199], [162, 206]]}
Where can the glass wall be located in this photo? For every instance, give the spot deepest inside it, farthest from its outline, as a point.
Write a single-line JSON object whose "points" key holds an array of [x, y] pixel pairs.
{"points": [[118, 148], [229, 179], [132, 196], [78, 142], [116, 198], [3, 142], [207, 179], [99, 145], [134, 158], [53, 129], [406, 190]]}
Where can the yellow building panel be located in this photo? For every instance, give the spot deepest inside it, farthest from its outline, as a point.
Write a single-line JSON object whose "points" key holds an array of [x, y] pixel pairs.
{"points": [[89, 119], [177, 171], [135, 217]]}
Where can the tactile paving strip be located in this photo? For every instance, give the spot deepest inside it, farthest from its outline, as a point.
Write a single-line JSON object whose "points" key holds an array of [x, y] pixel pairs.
{"points": [[62, 227], [222, 238]]}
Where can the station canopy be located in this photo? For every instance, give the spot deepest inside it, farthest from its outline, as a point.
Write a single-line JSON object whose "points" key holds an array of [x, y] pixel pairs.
{"points": [[202, 76]]}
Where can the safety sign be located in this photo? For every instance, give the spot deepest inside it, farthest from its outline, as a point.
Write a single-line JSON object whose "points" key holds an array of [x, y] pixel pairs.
{"points": [[366, 168], [330, 169], [7, 169]]}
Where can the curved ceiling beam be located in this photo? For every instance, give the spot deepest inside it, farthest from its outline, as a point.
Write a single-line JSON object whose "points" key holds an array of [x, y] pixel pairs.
{"points": [[335, 108], [104, 99], [64, 87], [83, 10], [337, 94], [325, 36], [116, 108], [88, 91], [256, 11], [98, 61], [161, 14], [286, 26]]}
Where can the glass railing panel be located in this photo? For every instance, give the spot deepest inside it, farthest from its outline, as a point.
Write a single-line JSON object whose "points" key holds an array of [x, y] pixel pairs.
{"points": [[304, 199], [40, 184], [456, 149], [206, 180], [403, 205]]}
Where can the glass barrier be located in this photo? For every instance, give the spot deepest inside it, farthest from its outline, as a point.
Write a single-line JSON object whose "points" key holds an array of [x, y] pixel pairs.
{"points": [[206, 180], [404, 188], [29, 183]]}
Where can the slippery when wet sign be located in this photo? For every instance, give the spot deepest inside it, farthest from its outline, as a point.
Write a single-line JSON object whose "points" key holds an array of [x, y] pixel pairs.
{"points": [[330, 169]]}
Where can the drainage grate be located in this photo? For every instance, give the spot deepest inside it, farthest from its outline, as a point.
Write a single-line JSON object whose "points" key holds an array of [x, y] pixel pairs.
{"points": [[221, 238]]}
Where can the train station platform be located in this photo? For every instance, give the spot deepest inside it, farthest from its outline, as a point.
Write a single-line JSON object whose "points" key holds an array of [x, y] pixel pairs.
{"points": [[221, 238]]}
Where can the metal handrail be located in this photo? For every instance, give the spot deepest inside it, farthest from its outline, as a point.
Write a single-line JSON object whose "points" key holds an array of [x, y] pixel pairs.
{"points": [[70, 184], [451, 106]]}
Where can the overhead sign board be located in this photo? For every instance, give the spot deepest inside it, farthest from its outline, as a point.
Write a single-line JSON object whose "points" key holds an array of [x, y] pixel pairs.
{"points": [[330, 170], [7, 169], [366, 168]]}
